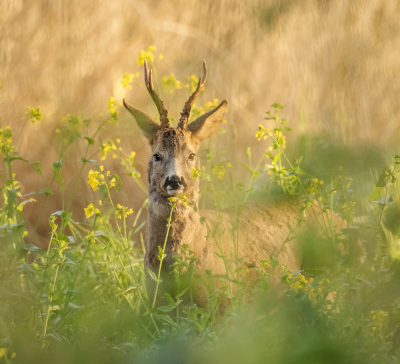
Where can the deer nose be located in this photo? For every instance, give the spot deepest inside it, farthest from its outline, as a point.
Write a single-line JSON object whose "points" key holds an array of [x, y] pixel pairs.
{"points": [[173, 182]]}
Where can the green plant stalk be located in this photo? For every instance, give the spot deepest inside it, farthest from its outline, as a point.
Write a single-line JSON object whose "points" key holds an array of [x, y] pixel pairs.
{"points": [[49, 308], [252, 176], [46, 198], [83, 165], [161, 261], [221, 246], [315, 214]]}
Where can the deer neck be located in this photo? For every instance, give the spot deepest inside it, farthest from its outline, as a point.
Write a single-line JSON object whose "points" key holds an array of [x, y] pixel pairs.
{"points": [[185, 228]]}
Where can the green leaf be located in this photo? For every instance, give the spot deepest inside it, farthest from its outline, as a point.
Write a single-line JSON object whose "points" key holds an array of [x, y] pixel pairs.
{"points": [[387, 177], [161, 254], [90, 140], [375, 194], [151, 274], [274, 262], [10, 159]]}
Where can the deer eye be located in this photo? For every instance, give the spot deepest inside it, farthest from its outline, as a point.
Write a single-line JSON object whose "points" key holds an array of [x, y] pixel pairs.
{"points": [[191, 156], [156, 157]]}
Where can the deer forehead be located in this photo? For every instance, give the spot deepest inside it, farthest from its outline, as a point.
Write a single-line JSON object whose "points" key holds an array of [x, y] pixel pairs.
{"points": [[174, 141]]}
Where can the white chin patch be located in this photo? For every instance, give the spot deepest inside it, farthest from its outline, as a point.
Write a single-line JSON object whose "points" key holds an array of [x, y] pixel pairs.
{"points": [[172, 192]]}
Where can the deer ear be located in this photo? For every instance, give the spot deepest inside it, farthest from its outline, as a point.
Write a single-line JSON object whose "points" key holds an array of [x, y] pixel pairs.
{"points": [[207, 125], [146, 124]]}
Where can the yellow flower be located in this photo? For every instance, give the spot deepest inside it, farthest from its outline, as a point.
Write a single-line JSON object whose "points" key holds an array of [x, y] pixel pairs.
{"points": [[112, 105], [152, 49], [90, 210], [106, 148], [127, 79], [160, 56], [13, 355], [145, 55], [94, 179], [171, 83], [123, 211], [58, 131], [91, 237], [193, 81], [118, 140], [34, 114], [100, 202], [3, 352], [218, 170], [195, 172], [115, 156], [184, 199]]}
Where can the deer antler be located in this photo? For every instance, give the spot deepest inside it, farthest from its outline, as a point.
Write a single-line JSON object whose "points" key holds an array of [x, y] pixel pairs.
{"points": [[148, 80], [189, 103]]}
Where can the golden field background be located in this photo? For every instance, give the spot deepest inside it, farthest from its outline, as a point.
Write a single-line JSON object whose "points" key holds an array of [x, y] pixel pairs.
{"points": [[334, 65]]}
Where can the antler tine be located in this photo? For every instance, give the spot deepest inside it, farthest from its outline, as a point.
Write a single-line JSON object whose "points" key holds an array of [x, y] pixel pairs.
{"points": [[148, 80], [189, 103]]}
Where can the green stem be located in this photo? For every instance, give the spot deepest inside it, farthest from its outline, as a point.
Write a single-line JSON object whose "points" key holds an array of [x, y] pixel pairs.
{"points": [[161, 260], [63, 148]]}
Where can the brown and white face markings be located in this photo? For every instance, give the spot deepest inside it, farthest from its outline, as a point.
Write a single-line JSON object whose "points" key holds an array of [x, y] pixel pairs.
{"points": [[174, 149]]}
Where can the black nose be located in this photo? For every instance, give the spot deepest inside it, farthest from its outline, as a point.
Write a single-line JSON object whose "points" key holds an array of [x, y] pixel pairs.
{"points": [[174, 182]]}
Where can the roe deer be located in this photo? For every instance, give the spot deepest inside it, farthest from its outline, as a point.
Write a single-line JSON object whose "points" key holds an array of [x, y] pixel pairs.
{"points": [[263, 227]]}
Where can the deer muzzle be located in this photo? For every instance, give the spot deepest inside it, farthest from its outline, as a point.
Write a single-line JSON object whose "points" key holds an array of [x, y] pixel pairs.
{"points": [[174, 185]]}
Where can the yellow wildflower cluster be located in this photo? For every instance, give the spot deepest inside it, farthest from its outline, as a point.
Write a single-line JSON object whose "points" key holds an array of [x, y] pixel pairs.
{"points": [[171, 83], [90, 210], [90, 237], [3, 352], [219, 170], [198, 111], [183, 198], [280, 138], [313, 188], [195, 172], [200, 173], [122, 211], [5, 141], [34, 114], [127, 79], [300, 284], [74, 123], [277, 136], [378, 320], [146, 55], [262, 132], [193, 81], [112, 108], [211, 105], [106, 148], [97, 178]]}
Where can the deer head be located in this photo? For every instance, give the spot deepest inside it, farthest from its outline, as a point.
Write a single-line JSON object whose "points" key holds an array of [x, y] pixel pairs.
{"points": [[174, 149]]}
